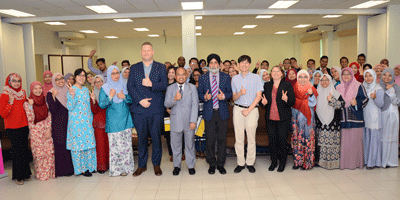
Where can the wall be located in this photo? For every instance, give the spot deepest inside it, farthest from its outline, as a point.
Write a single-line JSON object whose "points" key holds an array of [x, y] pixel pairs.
{"points": [[377, 32], [310, 50], [348, 48]]}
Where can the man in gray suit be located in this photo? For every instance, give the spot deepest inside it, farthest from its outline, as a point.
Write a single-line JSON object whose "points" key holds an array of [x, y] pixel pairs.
{"points": [[183, 100]]}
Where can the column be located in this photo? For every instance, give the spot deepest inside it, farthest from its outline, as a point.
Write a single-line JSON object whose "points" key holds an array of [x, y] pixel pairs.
{"points": [[327, 47], [393, 35], [297, 50], [3, 74], [189, 48], [29, 51], [362, 34]]}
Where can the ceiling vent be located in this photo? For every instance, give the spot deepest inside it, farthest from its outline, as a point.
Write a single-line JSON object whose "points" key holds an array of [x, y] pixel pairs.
{"points": [[71, 35]]}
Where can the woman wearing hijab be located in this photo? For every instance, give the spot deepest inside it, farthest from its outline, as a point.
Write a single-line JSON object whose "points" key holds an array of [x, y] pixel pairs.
{"points": [[336, 74], [16, 125], [303, 137], [352, 123], [372, 117], [69, 79], [80, 135], [311, 73], [390, 119], [291, 76], [358, 72], [39, 121], [264, 76], [397, 74], [114, 97], [378, 70], [327, 119], [316, 78], [125, 74], [57, 101], [47, 77], [99, 126]]}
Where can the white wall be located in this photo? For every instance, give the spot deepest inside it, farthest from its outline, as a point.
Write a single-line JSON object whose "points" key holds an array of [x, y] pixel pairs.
{"points": [[377, 32]]}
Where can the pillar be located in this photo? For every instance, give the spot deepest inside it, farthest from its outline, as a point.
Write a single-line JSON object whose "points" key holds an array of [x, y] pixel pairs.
{"points": [[362, 34], [327, 48], [189, 48], [393, 35], [29, 51], [3, 74]]}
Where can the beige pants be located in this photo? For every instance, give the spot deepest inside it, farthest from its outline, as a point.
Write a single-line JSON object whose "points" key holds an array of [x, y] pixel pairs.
{"points": [[249, 123]]}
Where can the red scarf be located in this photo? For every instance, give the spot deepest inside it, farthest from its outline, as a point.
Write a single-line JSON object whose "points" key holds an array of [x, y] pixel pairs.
{"points": [[357, 75], [39, 104], [301, 94], [293, 82]]}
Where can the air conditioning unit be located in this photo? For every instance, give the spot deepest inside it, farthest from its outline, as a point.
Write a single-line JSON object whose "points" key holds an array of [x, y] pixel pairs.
{"points": [[71, 44], [71, 35], [320, 29]]}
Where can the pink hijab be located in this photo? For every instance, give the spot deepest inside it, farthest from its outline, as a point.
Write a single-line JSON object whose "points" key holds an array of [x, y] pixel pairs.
{"points": [[62, 91], [47, 86], [397, 78], [349, 89]]}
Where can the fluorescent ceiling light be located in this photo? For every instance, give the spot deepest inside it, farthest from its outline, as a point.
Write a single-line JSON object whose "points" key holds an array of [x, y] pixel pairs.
{"points": [[198, 33], [123, 20], [199, 27], [264, 16], [238, 33], [15, 13], [192, 5], [281, 32], [198, 17], [141, 29], [101, 9], [55, 23], [249, 26], [283, 4], [111, 37], [368, 4], [331, 16], [302, 26], [88, 31], [154, 35]]}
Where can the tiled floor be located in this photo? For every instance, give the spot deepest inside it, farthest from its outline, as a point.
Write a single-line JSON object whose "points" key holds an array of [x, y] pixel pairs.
{"points": [[317, 183]]}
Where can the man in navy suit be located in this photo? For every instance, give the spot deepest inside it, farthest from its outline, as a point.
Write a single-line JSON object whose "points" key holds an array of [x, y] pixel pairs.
{"points": [[215, 90], [146, 84]]}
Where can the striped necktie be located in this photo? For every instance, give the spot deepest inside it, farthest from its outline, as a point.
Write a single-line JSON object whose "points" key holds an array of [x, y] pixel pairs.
{"points": [[214, 90]]}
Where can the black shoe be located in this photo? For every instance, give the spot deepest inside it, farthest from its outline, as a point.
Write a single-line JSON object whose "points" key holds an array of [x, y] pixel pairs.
{"points": [[272, 167], [281, 168], [221, 170], [176, 171], [251, 169], [211, 170], [192, 171], [238, 169], [87, 174], [102, 172], [295, 167], [303, 168]]}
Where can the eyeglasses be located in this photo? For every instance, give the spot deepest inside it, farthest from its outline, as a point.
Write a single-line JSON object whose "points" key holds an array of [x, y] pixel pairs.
{"points": [[115, 73], [324, 80], [14, 81], [82, 76], [98, 82], [196, 75], [59, 79]]}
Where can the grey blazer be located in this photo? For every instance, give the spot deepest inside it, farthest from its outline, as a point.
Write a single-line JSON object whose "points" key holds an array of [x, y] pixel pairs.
{"points": [[184, 111]]}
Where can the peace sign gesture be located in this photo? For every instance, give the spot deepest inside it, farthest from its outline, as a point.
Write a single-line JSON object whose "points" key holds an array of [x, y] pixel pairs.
{"points": [[264, 100], [258, 64], [284, 96], [71, 90]]}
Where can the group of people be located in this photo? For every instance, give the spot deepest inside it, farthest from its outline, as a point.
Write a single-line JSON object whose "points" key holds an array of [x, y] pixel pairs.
{"points": [[344, 117]]}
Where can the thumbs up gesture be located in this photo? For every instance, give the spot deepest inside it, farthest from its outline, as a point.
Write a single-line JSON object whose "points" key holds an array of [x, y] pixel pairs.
{"points": [[112, 93], [121, 95], [329, 96], [264, 100], [373, 95], [221, 95], [284, 96], [309, 91], [147, 82], [243, 91], [207, 96], [30, 101], [353, 102], [178, 96]]}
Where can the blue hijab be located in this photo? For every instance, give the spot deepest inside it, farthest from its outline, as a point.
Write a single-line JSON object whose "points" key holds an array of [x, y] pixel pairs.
{"points": [[116, 85], [313, 76]]}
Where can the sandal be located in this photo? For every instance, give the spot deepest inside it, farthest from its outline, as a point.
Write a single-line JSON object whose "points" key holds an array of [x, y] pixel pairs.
{"points": [[28, 179], [19, 182], [124, 174]]}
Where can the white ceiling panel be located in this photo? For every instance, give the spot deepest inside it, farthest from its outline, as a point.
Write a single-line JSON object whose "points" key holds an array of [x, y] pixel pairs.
{"points": [[170, 5], [87, 2], [144, 6], [261, 4], [114, 2], [62, 3], [215, 5], [238, 4], [79, 10], [36, 4], [125, 8]]}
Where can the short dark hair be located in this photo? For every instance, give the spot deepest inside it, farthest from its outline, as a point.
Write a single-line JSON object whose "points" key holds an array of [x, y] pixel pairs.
{"points": [[78, 72], [367, 65], [198, 70], [293, 58], [265, 61], [233, 60], [312, 60], [171, 67], [361, 55], [324, 57], [244, 58], [343, 58], [125, 61], [202, 60], [194, 59], [226, 62], [101, 60], [147, 43], [286, 59]]}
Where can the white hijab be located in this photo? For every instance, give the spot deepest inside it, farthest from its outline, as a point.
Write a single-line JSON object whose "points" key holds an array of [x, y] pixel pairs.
{"points": [[372, 114], [324, 111]]}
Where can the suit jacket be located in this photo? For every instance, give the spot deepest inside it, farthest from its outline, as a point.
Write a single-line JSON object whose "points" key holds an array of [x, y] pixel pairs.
{"points": [[224, 86], [284, 108], [137, 91], [184, 111]]}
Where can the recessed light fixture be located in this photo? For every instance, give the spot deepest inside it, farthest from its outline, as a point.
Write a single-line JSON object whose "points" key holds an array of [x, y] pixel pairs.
{"points": [[249, 26], [111, 37], [199, 27], [192, 5], [283, 4], [281, 32], [55, 23], [331, 16], [153, 35], [198, 17], [123, 20], [238, 33], [302, 26], [264, 16], [88, 31], [15, 13], [101, 9], [141, 29], [368, 4], [198, 34]]}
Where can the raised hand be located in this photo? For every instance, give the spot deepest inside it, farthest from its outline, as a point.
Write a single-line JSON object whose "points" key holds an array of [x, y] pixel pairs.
{"points": [[146, 82], [388, 86], [243, 91], [112, 93], [329, 96], [93, 97], [221, 95], [71, 90], [373, 95], [353, 102], [30, 101], [301, 66], [174, 64], [145, 102], [54, 92], [114, 63], [258, 64], [280, 64], [11, 98], [121, 95], [361, 70], [178, 96], [264, 100], [284, 96], [310, 91], [92, 53], [207, 96]]}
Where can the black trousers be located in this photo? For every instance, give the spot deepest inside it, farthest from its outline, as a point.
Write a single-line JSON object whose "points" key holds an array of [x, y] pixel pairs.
{"points": [[19, 153], [216, 130], [278, 132]]}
